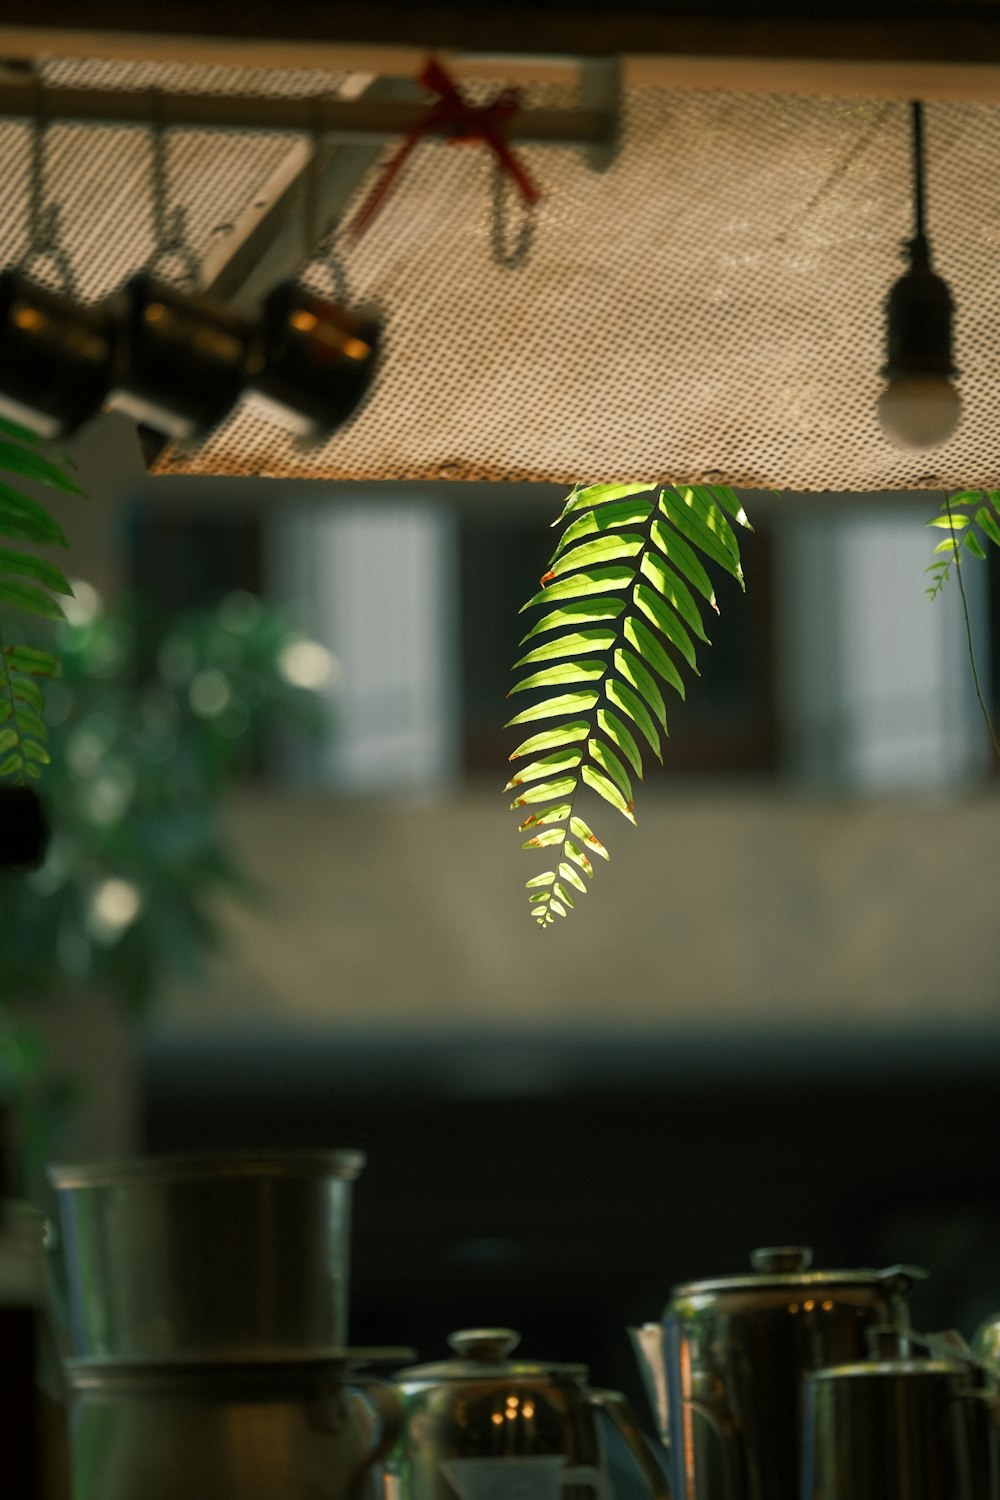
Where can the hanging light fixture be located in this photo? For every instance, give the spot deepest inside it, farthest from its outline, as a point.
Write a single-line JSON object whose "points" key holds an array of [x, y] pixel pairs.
{"points": [[919, 407]]}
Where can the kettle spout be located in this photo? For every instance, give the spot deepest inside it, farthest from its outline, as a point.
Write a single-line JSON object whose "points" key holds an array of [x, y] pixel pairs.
{"points": [[650, 1352]]}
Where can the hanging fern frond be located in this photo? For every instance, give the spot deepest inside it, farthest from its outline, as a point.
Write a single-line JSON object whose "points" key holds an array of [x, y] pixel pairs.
{"points": [[27, 584], [625, 579], [970, 519]]}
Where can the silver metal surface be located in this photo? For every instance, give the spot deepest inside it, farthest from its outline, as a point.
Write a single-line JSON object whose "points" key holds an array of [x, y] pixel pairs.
{"points": [[903, 1429], [486, 1425], [308, 1430], [725, 1367], [242, 1256]]}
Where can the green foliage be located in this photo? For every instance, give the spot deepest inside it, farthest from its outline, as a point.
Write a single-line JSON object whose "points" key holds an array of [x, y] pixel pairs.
{"points": [[27, 584], [149, 725], [625, 577], [970, 518]]}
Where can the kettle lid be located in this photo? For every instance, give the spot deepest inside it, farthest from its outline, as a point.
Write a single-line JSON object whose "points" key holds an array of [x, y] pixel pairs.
{"points": [[484, 1353], [789, 1265]]}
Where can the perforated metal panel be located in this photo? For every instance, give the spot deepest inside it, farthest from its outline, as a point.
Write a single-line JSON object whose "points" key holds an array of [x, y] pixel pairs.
{"points": [[709, 308]]}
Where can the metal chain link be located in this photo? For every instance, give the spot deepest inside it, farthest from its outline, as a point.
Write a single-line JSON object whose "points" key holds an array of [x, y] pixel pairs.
{"points": [[169, 224], [321, 243], [43, 217], [508, 252]]}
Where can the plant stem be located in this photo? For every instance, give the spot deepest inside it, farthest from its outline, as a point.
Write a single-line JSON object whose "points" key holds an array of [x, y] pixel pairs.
{"points": [[968, 634], [7, 687]]}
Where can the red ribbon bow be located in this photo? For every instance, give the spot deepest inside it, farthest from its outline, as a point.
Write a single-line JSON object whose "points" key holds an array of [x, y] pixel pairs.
{"points": [[462, 123]]}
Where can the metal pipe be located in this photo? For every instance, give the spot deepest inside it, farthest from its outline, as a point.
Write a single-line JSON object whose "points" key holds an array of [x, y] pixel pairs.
{"points": [[362, 120]]}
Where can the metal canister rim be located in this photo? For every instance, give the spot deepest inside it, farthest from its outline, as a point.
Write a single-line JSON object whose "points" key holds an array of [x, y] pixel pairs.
{"points": [[197, 1166]]}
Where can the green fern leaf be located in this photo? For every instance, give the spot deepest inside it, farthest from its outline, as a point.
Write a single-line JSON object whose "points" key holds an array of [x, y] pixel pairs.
{"points": [[624, 513], [610, 725], [568, 645], [544, 839], [28, 566], [552, 708], [623, 574], [701, 498], [600, 549], [546, 791], [988, 524], [593, 843], [33, 662], [676, 592], [566, 734], [26, 596], [8, 739], [578, 585], [606, 788], [612, 766], [25, 521], [666, 621], [578, 857], [561, 673], [579, 612], [622, 696], [599, 494], [557, 814], [676, 550], [35, 466], [645, 642], [730, 501], [681, 510], [560, 760], [573, 878], [632, 669]]}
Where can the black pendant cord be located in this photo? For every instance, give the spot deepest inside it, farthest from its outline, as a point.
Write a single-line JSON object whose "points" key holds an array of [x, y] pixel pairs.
{"points": [[919, 193]]}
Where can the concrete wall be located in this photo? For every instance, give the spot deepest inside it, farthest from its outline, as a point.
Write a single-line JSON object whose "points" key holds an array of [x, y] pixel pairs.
{"points": [[731, 904]]}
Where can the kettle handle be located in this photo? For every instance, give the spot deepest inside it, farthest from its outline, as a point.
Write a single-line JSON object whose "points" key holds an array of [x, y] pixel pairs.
{"points": [[386, 1399], [621, 1415]]}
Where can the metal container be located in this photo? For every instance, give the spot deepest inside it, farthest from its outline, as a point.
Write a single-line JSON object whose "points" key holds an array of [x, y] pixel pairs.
{"points": [[312, 360], [725, 1367], [239, 1256], [483, 1426], [308, 1430], [183, 359], [57, 357], [900, 1429]]}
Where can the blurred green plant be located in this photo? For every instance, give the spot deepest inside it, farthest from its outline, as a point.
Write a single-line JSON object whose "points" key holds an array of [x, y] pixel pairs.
{"points": [[972, 520], [150, 723], [27, 584], [148, 726]]}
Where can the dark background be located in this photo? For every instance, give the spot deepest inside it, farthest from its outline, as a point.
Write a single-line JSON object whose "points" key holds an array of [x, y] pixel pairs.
{"points": [[561, 1185]]}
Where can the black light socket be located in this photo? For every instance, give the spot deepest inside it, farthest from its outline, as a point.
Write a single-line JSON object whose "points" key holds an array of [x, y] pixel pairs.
{"points": [[24, 828], [919, 312]]}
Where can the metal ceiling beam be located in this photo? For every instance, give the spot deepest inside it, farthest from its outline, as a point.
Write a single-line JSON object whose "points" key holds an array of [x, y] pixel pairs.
{"points": [[367, 120]]}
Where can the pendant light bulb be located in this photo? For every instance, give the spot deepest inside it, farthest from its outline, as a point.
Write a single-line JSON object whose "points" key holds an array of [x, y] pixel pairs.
{"points": [[919, 411], [919, 407]]}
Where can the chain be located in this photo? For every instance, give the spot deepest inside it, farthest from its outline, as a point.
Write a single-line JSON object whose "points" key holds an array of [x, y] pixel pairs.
{"points": [[169, 224], [43, 217], [509, 252], [321, 241]]}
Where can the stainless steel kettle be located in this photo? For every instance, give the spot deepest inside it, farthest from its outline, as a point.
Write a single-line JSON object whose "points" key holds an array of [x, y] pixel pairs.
{"points": [[725, 1367], [484, 1426], [901, 1426]]}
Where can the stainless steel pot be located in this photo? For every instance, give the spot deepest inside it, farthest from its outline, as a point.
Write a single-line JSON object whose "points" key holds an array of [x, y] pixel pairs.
{"points": [[242, 1255], [725, 1366], [484, 1426], [308, 1430], [900, 1428]]}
